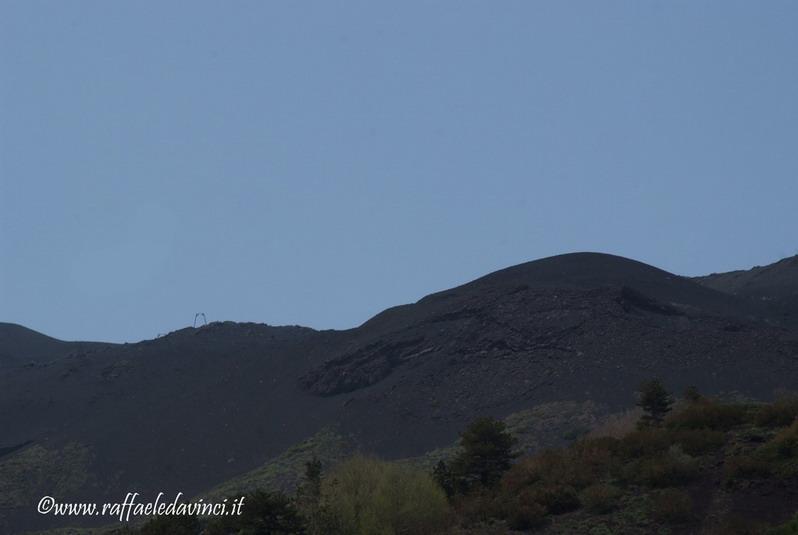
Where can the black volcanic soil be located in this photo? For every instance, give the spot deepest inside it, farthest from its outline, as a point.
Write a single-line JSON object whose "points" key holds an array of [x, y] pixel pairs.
{"points": [[198, 406], [21, 346], [774, 287]]}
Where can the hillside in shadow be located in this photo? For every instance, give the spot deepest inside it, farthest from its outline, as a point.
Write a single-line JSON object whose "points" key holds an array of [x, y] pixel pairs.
{"points": [[192, 409]]}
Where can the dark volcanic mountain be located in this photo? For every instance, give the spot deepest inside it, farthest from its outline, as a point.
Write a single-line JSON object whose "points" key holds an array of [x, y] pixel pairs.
{"points": [[774, 287], [198, 406], [20, 346]]}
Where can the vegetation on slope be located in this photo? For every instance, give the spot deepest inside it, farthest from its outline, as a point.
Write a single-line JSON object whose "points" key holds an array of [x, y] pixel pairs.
{"points": [[705, 466]]}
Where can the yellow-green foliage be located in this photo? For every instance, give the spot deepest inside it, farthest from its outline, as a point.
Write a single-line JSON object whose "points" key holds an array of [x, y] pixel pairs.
{"points": [[707, 414], [371, 497]]}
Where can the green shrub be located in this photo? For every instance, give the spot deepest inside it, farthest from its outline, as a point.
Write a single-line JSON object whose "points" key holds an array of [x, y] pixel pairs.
{"points": [[483, 506], [368, 496], [443, 476], [737, 524], [525, 472], [780, 413], [557, 499], [644, 443], [549, 467], [261, 513], [593, 458], [600, 498], [788, 528], [671, 469], [698, 441], [581, 465], [708, 415], [745, 467], [526, 516], [672, 506], [785, 443]]}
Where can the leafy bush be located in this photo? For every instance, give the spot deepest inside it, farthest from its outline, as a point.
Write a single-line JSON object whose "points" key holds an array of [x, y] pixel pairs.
{"points": [[668, 470], [617, 425], [672, 506], [527, 516], [737, 524], [745, 467], [368, 496], [583, 464], [557, 499], [262, 513], [483, 506], [653, 441], [600, 498], [708, 415], [785, 444], [594, 458], [788, 528], [780, 413], [644, 443], [698, 441], [525, 472], [443, 476], [549, 466]]}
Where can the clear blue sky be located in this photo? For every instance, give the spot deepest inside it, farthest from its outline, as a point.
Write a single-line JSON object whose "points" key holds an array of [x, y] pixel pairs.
{"points": [[316, 162]]}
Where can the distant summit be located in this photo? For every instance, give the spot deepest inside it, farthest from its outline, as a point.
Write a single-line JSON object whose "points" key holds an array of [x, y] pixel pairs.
{"points": [[775, 287], [20, 345]]}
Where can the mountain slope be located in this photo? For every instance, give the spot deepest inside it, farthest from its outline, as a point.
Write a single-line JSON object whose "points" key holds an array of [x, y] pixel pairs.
{"points": [[580, 326], [20, 345], [199, 406], [773, 287]]}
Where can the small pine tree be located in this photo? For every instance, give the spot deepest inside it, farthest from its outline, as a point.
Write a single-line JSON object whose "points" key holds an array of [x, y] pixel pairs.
{"points": [[692, 395], [312, 482], [486, 453], [655, 401], [309, 498], [442, 474], [263, 513]]}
